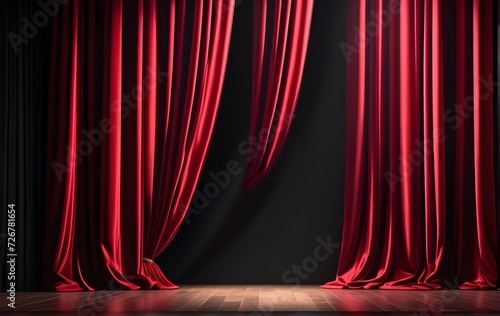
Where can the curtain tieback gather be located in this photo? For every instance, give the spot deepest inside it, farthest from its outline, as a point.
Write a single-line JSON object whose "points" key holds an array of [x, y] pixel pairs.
{"points": [[147, 260]]}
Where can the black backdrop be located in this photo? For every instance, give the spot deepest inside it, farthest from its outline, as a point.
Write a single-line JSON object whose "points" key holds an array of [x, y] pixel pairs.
{"points": [[23, 115], [232, 236], [256, 236]]}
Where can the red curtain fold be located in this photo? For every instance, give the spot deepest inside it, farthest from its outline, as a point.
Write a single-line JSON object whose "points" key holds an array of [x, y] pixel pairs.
{"points": [[476, 247], [395, 186], [135, 90], [279, 53]]}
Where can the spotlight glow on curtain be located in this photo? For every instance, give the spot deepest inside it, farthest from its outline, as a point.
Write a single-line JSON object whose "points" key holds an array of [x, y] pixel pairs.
{"points": [[395, 186], [277, 66], [135, 90]]}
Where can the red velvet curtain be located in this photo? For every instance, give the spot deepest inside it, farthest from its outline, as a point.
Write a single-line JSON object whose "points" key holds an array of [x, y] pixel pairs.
{"points": [[135, 89], [397, 127], [476, 243], [280, 38]]}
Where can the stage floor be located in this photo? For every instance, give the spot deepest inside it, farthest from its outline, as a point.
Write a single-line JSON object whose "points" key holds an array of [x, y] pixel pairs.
{"points": [[257, 300]]}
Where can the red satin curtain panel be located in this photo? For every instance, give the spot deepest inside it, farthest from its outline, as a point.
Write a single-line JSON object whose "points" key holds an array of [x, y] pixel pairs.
{"points": [[396, 221], [280, 39], [135, 90]]}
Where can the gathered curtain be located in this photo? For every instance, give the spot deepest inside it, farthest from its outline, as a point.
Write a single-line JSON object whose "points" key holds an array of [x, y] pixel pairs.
{"points": [[135, 90], [396, 188], [280, 39]]}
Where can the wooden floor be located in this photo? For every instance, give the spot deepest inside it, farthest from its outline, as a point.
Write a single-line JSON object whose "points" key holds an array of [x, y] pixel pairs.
{"points": [[257, 300]]}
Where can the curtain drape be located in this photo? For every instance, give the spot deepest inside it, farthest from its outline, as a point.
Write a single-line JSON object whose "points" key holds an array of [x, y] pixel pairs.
{"points": [[135, 89], [280, 39], [476, 243], [395, 216]]}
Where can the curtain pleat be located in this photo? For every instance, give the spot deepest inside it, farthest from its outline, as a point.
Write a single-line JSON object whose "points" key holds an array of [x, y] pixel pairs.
{"points": [[278, 59], [477, 242]]}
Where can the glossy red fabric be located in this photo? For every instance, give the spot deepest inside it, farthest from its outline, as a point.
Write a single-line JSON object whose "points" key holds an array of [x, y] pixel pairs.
{"points": [[395, 215], [135, 90], [476, 246], [278, 58]]}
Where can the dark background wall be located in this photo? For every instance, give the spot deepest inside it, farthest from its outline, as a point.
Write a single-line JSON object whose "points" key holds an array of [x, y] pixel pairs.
{"points": [[256, 236]]}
